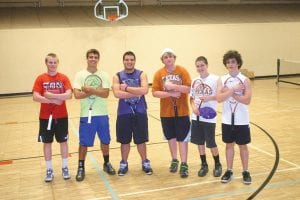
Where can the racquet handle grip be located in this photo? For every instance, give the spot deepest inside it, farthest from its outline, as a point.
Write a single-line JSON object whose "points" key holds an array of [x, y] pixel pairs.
{"points": [[49, 122], [90, 117], [232, 119]]}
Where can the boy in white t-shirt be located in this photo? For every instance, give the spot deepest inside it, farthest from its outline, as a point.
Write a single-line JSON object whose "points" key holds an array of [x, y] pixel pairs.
{"points": [[203, 95], [234, 90]]}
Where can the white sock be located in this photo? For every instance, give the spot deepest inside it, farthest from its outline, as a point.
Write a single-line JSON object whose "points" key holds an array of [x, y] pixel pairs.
{"points": [[49, 164], [64, 162]]}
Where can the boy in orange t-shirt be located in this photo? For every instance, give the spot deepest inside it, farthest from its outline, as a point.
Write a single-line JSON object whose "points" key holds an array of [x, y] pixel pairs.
{"points": [[172, 85]]}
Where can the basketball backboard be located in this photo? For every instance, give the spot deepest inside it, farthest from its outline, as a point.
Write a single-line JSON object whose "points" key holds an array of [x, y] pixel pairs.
{"points": [[111, 10]]}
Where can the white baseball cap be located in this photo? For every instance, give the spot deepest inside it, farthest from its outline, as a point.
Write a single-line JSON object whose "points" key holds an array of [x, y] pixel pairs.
{"points": [[167, 50]]}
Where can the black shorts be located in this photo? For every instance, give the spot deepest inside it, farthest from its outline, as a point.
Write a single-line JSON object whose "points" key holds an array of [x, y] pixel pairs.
{"points": [[59, 129], [240, 134], [203, 132], [176, 127], [132, 125]]}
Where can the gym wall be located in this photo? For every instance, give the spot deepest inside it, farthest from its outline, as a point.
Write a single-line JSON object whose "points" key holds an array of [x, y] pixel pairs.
{"points": [[22, 51]]}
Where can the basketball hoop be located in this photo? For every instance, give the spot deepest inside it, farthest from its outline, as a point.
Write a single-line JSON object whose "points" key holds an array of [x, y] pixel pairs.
{"points": [[111, 12]]}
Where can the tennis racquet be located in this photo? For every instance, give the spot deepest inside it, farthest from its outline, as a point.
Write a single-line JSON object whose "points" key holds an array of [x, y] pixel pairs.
{"points": [[55, 87], [133, 101], [200, 90], [94, 81], [230, 83]]}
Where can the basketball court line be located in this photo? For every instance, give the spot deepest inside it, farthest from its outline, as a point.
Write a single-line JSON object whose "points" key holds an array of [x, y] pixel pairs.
{"points": [[275, 111], [190, 185], [275, 102], [237, 192], [267, 153]]}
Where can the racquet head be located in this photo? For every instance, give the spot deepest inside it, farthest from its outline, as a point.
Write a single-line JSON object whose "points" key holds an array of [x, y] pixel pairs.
{"points": [[94, 81], [198, 91], [232, 82]]}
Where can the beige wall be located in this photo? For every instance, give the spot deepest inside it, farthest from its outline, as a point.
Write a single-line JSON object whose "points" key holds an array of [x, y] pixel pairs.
{"points": [[22, 51]]}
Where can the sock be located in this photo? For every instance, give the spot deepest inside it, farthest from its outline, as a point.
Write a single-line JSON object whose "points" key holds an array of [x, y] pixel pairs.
{"points": [[106, 159], [49, 164], [203, 159], [217, 159], [64, 162], [81, 164], [183, 163]]}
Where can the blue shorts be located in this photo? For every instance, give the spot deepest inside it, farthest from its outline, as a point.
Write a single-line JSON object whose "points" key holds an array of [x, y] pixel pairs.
{"points": [[87, 132]]}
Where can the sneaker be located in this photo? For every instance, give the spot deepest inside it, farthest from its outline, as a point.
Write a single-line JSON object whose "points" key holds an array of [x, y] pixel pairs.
{"points": [[80, 174], [184, 170], [65, 173], [203, 170], [246, 178], [49, 175], [123, 168], [174, 165], [108, 168], [227, 176], [147, 167], [217, 170]]}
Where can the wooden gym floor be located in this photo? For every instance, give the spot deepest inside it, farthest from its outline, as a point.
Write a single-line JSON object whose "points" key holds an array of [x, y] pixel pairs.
{"points": [[275, 109]]}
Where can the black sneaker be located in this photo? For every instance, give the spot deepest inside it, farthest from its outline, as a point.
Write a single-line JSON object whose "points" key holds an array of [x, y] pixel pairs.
{"points": [[227, 176], [246, 178], [174, 165], [203, 170], [80, 174], [217, 170], [108, 168], [184, 170]]}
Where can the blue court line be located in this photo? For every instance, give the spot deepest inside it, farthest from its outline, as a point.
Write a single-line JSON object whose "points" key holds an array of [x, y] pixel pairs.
{"points": [[237, 192], [112, 193]]}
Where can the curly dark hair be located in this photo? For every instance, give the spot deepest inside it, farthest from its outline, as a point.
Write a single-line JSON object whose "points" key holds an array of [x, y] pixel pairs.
{"points": [[232, 54]]}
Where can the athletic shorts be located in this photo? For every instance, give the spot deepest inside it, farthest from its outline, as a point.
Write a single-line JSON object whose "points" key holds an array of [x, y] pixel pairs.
{"points": [[176, 127], [59, 129], [203, 132], [240, 134], [132, 125], [87, 132]]}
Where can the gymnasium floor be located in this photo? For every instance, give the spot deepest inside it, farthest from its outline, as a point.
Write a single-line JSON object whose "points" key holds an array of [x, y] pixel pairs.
{"points": [[275, 109]]}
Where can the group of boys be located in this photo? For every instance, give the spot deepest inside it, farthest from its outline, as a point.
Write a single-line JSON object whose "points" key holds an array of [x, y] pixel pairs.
{"points": [[173, 85]]}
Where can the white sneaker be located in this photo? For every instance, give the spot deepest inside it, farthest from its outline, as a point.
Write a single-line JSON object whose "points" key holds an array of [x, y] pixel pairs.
{"points": [[49, 175], [65, 173]]}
